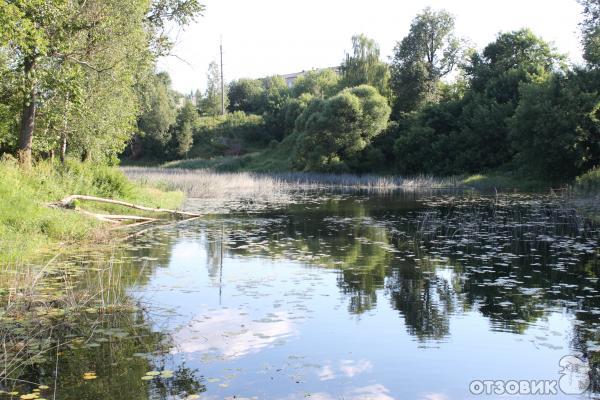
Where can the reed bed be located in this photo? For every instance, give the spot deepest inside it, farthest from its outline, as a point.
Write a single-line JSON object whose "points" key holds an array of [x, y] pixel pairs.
{"points": [[205, 183]]}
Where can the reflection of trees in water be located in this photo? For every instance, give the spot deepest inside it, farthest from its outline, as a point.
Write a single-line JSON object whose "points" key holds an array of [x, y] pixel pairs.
{"points": [[120, 349], [424, 298], [510, 258]]}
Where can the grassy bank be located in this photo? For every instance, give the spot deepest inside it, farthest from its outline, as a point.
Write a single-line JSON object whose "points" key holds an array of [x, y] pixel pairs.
{"points": [[28, 226]]}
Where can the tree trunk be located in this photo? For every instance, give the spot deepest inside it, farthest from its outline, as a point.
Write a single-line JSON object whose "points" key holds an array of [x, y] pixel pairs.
{"points": [[63, 134], [63, 146], [27, 118], [85, 155]]}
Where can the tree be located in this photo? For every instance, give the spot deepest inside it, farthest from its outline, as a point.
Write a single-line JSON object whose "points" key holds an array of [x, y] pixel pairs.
{"points": [[590, 29], [64, 53], [514, 59], [183, 131], [555, 130], [363, 66], [246, 95], [422, 59], [159, 113], [335, 130], [294, 107], [321, 83], [275, 97], [211, 103], [470, 132]]}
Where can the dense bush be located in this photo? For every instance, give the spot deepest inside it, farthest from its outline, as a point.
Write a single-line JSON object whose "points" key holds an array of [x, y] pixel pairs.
{"points": [[335, 130], [490, 123], [555, 130]]}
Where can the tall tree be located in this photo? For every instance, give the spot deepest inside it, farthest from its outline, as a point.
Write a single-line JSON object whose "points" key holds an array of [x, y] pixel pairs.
{"points": [[555, 130], [363, 66], [590, 29], [159, 113], [333, 131], [275, 98], [427, 54], [472, 133], [183, 132], [211, 103]]}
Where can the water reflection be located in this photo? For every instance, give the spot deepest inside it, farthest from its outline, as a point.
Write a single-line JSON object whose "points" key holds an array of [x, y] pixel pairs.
{"points": [[230, 334], [340, 297]]}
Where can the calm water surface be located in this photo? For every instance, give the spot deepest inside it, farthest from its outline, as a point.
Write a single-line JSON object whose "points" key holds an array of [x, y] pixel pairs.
{"points": [[346, 297]]}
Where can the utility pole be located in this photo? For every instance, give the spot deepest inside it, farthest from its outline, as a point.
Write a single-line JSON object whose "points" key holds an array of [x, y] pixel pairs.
{"points": [[222, 83]]}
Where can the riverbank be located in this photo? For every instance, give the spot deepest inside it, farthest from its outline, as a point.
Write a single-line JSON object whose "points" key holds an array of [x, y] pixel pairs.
{"points": [[29, 227]]}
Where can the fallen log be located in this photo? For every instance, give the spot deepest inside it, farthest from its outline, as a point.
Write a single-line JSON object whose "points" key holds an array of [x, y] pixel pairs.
{"points": [[68, 202]]}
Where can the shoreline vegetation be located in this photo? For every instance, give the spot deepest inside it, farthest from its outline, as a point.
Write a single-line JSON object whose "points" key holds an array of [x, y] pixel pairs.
{"points": [[199, 177], [29, 226], [515, 108]]}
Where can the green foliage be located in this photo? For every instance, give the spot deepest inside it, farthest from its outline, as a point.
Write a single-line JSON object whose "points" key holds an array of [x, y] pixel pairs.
{"points": [[590, 181], [470, 132], [28, 225], [275, 98], [72, 68], [363, 66], [555, 129], [182, 138], [590, 29], [333, 131], [229, 134], [246, 95], [428, 53], [320, 83], [210, 104], [513, 58], [294, 107], [159, 115]]}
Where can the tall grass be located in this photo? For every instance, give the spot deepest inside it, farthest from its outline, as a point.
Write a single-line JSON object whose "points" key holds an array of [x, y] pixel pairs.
{"points": [[206, 183], [29, 226]]}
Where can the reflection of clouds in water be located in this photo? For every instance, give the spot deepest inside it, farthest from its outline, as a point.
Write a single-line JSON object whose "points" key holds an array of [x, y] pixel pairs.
{"points": [[371, 392], [435, 396], [326, 373], [349, 368], [230, 334]]}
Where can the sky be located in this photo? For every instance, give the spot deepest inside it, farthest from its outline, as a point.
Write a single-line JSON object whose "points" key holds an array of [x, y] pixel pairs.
{"points": [[268, 37]]}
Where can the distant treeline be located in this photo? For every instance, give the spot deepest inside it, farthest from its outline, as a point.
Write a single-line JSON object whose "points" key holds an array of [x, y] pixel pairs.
{"points": [[437, 107]]}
